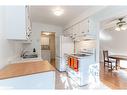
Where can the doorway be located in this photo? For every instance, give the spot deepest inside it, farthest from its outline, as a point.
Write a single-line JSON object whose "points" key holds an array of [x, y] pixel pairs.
{"points": [[48, 47]]}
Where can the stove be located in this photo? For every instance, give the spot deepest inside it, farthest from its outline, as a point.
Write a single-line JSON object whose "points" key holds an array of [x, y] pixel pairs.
{"points": [[82, 54]]}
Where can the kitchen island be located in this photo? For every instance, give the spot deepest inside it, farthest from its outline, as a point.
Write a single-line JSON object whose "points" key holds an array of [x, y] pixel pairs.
{"points": [[28, 75]]}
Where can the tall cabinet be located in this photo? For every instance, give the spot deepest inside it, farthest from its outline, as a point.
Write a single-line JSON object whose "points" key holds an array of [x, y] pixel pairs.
{"points": [[18, 23]]}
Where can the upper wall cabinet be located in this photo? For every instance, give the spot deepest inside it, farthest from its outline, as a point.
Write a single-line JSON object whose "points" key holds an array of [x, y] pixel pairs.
{"points": [[18, 24], [76, 31], [84, 27], [68, 32], [79, 29]]}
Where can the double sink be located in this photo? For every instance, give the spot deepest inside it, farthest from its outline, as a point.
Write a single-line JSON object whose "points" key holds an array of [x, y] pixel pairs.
{"points": [[27, 58]]}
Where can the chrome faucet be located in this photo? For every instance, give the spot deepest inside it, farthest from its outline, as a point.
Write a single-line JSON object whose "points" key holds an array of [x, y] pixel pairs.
{"points": [[23, 53]]}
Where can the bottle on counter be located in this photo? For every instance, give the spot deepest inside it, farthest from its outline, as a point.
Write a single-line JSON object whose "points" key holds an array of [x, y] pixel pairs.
{"points": [[34, 50]]}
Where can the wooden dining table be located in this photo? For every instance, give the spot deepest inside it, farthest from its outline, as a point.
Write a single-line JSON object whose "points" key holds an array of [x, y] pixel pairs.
{"points": [[118, 58]]}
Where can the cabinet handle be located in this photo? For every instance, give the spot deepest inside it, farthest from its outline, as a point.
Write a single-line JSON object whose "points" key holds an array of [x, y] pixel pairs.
{"points": [[29, 28], [29, 34]]}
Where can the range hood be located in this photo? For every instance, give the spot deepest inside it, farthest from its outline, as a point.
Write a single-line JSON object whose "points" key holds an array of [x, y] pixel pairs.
{"points": [[85, 37]]}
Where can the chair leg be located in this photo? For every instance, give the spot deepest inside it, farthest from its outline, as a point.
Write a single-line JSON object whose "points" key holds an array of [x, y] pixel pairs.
{"points": [[104, 64], [111, 66]]}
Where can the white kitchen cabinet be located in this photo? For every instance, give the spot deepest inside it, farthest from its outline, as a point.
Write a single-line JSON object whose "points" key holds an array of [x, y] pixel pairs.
{"points": [[68, 32], [84, 27], [44, 80], [92, 27], [71, 32], [79, 29], [75, 30], [17, 22]]}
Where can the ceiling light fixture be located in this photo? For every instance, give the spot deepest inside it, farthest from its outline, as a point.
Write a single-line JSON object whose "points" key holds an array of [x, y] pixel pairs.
{"points": [[58, 11], [120, 28], [121, 25], [46, 33]]}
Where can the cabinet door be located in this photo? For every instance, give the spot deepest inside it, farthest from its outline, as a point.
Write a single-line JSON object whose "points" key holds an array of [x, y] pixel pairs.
{"points": [[75, 30], [66, 32], [15, 22], [70, 32], [84, 27], [92, 26], [28, 23]]}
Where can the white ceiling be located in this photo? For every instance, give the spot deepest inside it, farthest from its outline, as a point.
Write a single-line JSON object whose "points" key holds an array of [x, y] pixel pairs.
{"points": [[110, 24], [44, 14]]}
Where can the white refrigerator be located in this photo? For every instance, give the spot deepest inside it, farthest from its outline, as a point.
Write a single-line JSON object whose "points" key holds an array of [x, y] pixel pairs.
{"points": [[64, 45]]}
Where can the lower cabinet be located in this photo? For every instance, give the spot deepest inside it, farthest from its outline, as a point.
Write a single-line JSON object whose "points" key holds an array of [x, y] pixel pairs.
{"points": [[45, 80]]}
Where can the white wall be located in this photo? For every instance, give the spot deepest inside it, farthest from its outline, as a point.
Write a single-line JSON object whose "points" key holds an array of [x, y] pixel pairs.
{"points": [[80, 46], [113, 41], [8, 49], [37, 28]]}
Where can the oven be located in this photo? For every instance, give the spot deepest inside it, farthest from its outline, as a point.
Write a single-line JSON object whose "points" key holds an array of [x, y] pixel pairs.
{"points": [[78, 67], [73, 63]]}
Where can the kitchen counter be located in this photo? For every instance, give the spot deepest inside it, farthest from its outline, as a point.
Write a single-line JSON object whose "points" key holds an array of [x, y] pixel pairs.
{"points": [[25, 68]]}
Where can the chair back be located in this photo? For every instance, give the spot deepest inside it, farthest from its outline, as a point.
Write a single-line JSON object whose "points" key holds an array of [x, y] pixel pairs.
{"points": [[105, 55]]}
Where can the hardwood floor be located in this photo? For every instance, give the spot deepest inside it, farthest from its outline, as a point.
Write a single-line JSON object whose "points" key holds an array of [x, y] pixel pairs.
{"points": [[53, 62], [116, 79]]}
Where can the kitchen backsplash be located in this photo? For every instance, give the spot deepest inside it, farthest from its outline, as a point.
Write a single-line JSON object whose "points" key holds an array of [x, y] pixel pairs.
{"points": [[82, 45]]}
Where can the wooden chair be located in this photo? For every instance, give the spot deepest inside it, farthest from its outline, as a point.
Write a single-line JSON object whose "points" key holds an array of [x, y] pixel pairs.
{"points": [[107, 61]]}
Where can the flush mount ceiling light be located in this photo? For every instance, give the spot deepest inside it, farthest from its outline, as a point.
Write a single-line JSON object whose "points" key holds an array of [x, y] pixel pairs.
{"points": [[58, 11], [46, 33]]}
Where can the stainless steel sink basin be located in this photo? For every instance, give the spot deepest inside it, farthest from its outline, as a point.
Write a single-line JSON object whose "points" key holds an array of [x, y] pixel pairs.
{"points": [[30, 56]]}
